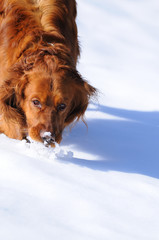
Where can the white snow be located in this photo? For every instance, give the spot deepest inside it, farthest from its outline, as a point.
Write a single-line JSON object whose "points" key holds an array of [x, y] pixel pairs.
{"points": [[47, 134], [101, 183]]}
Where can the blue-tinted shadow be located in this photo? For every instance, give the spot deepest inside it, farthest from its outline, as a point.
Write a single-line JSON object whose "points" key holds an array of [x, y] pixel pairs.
{"points": [[130, 145]]}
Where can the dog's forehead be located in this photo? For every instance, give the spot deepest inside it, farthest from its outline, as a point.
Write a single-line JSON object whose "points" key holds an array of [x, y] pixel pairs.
{"points": [[39, 81], [39, 85], [56, 88]]}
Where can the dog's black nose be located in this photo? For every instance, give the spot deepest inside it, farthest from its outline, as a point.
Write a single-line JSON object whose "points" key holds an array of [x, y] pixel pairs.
{"points": [[48, 138]]}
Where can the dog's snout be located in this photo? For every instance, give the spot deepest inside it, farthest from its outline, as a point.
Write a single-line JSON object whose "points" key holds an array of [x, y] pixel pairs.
{"points": [[47, 137]]}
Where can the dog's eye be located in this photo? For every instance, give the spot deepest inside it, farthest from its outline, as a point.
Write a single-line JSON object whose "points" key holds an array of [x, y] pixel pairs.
{"points": [[36, 103], [61, 107]]}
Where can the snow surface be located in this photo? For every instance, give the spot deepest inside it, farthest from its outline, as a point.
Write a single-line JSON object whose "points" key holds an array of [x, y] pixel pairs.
{"points": [[101, 183]]}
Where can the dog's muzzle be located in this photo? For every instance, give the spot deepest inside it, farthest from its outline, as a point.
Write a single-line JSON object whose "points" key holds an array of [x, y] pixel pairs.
{"points": [[47, 137]]}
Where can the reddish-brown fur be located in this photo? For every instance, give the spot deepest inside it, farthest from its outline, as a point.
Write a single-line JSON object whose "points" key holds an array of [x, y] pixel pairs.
{"points": [[40, 88]]}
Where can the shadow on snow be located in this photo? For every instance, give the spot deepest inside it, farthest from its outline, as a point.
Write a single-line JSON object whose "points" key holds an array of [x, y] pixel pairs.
{"points": [[130, 145]]}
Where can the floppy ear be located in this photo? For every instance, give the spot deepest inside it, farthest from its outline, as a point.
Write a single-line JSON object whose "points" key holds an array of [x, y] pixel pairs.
{"points": [[83, 92], [11, 93]]}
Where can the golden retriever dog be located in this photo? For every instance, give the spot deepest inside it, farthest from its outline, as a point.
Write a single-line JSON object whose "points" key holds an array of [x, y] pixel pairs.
{"points": [[41, 92]]}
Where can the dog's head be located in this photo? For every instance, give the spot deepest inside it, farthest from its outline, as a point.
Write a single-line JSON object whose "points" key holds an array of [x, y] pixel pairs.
{"points": [[50, 99], [50, 103]]}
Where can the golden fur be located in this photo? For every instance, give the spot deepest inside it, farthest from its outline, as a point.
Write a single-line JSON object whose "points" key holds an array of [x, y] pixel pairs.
{"points": [[40, 88]]}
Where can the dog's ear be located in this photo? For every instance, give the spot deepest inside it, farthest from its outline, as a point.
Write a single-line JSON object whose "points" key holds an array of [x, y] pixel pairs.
{"points": [[20, 88], [11, 93], [15, 83], [82, 92], [8, 103]]}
